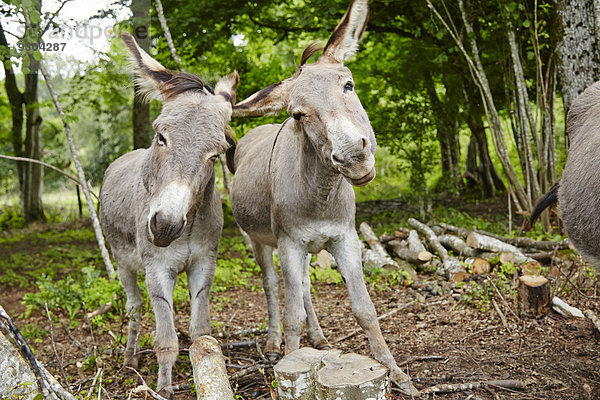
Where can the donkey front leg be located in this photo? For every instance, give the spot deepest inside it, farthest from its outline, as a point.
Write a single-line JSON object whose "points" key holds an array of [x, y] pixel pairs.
{"points": [[348, 256], [292, 257], [264, 258], [128, 278], [161, 283], [200, 277]]}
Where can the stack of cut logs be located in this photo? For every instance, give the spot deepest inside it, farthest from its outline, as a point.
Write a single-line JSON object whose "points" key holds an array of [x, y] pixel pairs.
{"points": [[458, 254]]}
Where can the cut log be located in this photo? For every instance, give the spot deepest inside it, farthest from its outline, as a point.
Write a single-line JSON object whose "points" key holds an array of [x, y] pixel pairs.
{"points": [[479, 266], [458, 245], [450, 267], [377, 257], [210, 373], [534, 295], [324, 259], [455, 229], [17, 377], [402, 250], [483, 242], [296, 374], [351, 376], [595, 321], [564, 309], [416, 246]]}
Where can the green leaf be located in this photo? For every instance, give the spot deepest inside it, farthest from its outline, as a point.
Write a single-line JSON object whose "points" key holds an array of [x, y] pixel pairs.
{"points": [[526, 23], [37, 55]]}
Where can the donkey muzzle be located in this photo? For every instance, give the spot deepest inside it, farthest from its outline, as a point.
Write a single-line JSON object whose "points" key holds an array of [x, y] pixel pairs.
{"points": [[163, 231]]}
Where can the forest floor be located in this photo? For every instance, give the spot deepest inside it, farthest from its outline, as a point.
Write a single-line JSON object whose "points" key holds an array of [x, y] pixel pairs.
{"points": [[443, 335]]}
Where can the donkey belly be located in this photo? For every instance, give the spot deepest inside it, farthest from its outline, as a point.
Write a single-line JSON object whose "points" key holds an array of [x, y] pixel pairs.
{"points": [[250, 192]]}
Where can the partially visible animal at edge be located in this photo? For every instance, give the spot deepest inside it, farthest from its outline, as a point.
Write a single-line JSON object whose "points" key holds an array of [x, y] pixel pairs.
{"points": [[292, 188], [160, 208], [578, 191]]}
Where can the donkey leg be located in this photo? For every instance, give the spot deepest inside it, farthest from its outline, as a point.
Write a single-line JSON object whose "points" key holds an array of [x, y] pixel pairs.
{"points": [[348, 256], [128, 277], [264, 258], [292, 257], [161, 280], [315, 333], [200, 277]]}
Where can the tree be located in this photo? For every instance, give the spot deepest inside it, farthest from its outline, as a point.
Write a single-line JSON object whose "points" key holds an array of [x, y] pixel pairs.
{"points": [[142, 137], [25, 109]]}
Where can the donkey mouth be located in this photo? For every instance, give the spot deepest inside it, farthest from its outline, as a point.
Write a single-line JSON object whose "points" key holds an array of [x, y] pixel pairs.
{"points": [[365, 180]]}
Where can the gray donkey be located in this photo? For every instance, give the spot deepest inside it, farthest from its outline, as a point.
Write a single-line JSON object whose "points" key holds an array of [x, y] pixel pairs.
{"points": [[292, 187], [161, 210], [578, 192]]}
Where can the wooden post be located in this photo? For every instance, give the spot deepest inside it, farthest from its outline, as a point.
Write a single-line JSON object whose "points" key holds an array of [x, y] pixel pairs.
{"points": [[534, 295], [210, 374]]}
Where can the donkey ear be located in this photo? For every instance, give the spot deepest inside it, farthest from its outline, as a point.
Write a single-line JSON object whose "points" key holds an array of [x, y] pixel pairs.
{"points": [[227, 86], [344, 40], [149, 73], [268, 101]]}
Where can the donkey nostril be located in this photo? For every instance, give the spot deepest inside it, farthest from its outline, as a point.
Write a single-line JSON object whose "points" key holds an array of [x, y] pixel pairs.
{"points": [[364, 143], [153, 226], [336, 159]]}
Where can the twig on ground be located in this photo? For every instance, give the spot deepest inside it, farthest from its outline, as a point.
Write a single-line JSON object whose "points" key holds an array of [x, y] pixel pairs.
{"points": [[478, 332], [145, 388], [422, 358], [501, 314], [237, 345], [244, 332], [60, 365], [502, 298], [462, 387], [103, 309], [383, 316]]}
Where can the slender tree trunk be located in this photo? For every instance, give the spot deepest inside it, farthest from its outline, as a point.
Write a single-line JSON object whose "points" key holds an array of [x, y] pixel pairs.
{"points": [[15, 98], [142, 133], [577, 47]]}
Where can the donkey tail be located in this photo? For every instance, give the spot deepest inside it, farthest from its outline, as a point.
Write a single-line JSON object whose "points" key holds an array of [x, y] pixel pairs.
{"points": [[550, 198], [230, 153]]}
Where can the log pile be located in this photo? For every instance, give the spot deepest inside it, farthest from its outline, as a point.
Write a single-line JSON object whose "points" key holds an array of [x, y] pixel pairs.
{"points": [[457, 253]]}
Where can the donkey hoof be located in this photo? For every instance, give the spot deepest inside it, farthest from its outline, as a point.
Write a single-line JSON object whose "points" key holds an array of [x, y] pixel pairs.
{"points": [[167, 394], [273, 356], [325, 347]]}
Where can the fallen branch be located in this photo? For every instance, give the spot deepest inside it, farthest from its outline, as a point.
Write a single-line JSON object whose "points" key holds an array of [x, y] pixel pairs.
{"points": [[244, 332], [488, 243], [103, 309], [210, 373], [564, 309], [458, 245], [463, 387], [402, 250], [593, 318], [451, 267]]}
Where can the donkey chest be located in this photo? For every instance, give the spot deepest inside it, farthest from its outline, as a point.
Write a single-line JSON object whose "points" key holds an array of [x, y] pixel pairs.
{"points": [[316, 235]]}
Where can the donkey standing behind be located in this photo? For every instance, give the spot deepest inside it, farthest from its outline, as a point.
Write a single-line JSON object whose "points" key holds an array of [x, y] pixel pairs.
{"points": [[161, 210], [578, 192], [293, 186]]}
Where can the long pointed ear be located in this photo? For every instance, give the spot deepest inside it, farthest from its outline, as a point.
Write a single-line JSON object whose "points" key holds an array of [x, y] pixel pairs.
{"points": [[268, 101], [344, 40], [149, 73], [227, 86]]}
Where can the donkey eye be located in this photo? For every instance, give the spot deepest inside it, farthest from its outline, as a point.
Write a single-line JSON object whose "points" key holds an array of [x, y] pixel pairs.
{"points": [[214, 158], [297, 116], [348, 87], [161, 140]]}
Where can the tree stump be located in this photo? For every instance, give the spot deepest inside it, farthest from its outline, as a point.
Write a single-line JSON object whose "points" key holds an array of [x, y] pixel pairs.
{"points": [[534, 295], [296, 373], [328, 374], [210, 374], [351, 376]]}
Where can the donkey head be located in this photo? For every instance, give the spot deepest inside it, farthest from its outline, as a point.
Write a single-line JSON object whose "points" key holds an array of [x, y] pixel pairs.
{"points": [[321, 99], [190, 134]]}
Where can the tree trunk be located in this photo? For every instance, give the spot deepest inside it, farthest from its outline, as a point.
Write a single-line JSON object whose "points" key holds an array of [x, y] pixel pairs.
{"points": [[576, 46], [142, 135]]}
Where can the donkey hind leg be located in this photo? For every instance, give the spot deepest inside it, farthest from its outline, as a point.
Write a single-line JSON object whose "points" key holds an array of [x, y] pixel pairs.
{"points": [[161, 283], [348, 257], [292, 256], [315, 333], [200, 277], [264, 258], [128, 277]]}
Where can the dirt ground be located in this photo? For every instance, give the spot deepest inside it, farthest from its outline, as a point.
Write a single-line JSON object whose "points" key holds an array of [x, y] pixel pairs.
{"points": [[438, 336]]}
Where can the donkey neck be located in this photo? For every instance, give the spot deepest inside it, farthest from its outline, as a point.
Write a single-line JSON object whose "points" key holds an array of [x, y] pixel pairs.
{"points": [[321, 180]]}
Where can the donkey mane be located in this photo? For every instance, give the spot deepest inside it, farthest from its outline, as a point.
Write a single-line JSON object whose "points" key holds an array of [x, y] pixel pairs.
{"points": [[183, 82], [309, 51]]}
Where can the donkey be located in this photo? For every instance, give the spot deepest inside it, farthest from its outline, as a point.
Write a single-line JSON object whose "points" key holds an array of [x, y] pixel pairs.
{"points": [[292, 187], [578, 192], [161, 209]]}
